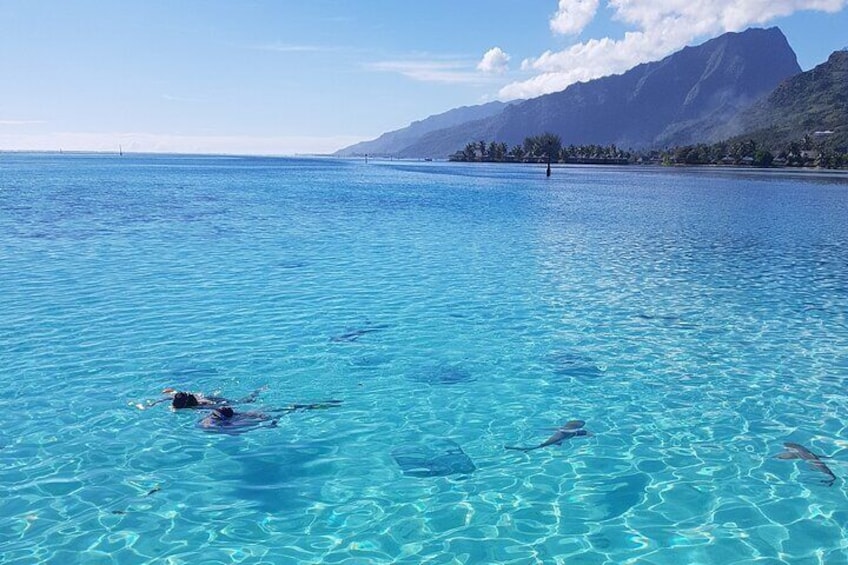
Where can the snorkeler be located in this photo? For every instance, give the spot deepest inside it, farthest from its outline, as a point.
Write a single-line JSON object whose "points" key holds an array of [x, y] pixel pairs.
{"points": [[226, 420], [181, 399]]}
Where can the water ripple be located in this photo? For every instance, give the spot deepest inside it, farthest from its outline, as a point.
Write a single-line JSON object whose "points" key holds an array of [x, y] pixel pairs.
{"points": [[695, 322]]}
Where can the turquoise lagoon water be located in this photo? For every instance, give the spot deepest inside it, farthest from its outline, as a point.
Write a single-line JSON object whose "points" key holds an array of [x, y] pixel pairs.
{"points": [[696, 320]]}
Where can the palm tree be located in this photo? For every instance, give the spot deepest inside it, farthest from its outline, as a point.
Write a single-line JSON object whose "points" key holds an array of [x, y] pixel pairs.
{"points": [[503, 148], [550, 145], [531, 146], [497, 151], [518, 153], [807, 142]]}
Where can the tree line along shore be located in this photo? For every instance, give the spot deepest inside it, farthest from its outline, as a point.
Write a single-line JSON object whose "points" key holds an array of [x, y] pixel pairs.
{"points": [[809, 151]]}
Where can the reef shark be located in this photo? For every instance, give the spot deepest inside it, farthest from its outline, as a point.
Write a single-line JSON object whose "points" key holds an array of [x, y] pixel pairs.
{"points": [[569, 430], [797, 451]]}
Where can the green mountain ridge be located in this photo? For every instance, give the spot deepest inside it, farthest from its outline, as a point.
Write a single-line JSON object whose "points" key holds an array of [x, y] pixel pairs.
{"points": [[388, 144], [811, 105], [692, 96]]}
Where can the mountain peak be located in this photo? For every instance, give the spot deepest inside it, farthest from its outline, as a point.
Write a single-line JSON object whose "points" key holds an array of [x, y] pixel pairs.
{"points": [[690, 96]]}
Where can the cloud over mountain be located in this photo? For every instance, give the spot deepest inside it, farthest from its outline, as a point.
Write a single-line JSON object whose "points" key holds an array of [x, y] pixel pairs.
{"points": [[656, 29], [494, 61]]}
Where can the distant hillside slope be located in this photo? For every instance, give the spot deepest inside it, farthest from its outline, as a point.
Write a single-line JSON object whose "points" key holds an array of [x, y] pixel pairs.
{"points": [[394, 142], [814, 101], [690, 96]]}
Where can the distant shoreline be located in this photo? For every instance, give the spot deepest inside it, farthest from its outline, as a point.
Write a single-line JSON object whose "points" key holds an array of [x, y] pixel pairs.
{"points": [[59, 152], [559, 165]]}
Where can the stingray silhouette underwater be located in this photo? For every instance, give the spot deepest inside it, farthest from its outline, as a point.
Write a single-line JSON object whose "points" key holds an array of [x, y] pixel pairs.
{"points": [[435, 458]]}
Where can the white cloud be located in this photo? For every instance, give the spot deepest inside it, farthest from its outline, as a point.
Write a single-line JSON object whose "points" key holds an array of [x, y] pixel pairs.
{"points": [[659, 27], [573, 15], [451, 72], [494, 61]]}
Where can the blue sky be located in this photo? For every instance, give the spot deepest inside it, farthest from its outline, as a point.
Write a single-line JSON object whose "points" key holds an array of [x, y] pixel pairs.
{"points": [[304, 76]]}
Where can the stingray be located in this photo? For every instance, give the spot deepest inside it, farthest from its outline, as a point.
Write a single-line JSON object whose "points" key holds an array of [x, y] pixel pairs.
{"points": [[442, 375], [291, 264], [573, 365], [352, 335], [437, 458]]}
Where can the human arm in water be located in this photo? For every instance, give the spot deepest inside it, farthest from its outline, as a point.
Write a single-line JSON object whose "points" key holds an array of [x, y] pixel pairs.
{"points": [[183, 399]]}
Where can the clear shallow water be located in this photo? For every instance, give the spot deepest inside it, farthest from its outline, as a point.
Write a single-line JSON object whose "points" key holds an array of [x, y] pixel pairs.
{"points": [[696, 320]]}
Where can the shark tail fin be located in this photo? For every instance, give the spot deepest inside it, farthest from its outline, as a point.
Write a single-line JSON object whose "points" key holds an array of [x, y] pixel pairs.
{"points": [[514, 448]]}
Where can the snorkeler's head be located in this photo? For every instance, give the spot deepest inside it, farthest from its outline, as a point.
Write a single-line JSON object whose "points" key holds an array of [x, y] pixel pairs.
{"points": [[223, 413], [184, 400]]}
